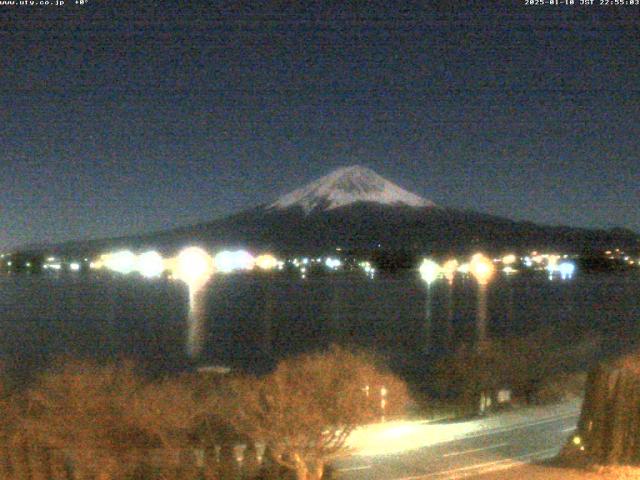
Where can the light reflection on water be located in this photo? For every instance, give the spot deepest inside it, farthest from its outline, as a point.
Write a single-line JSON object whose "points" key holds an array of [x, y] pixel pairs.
{"points": [[249, 320]]}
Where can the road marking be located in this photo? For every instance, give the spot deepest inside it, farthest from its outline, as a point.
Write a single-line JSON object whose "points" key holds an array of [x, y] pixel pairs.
{"points": [[499, 430], [486, 467], [517, 461], [570, 429], [462, 452], [351, 469]]}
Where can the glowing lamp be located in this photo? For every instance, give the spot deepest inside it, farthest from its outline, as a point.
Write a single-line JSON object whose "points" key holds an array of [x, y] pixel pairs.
{"points": [[332, 263], [244, 260], [449, 268], [266, 262], [429, 271], [509, 259], [123, 261], [229, 261], [566, 269], [224, 261], [150, 264], [97, 265], [481, 268], [552, 260], [193, 266], [537, 258]]}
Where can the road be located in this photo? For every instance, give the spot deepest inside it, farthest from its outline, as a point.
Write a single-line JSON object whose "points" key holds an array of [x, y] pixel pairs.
{"points": [[473, 448]]}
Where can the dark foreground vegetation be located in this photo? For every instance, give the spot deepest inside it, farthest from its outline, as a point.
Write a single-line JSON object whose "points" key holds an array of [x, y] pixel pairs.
{"points": [[608, 432], [606, 444], [538, 368], [83, 421]]}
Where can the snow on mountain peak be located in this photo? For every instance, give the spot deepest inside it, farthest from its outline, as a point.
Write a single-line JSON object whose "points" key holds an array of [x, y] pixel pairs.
{"points": [[349, 185]]}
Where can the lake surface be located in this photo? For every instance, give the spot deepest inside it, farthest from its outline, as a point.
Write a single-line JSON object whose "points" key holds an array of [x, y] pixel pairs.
{"points": [[250, 321]]}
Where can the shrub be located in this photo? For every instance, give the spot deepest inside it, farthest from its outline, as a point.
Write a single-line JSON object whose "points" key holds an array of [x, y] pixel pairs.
{"points": [[305, 410], [107, 419]]}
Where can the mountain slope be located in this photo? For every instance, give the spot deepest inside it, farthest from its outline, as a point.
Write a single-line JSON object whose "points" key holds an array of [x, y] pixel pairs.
{"points": [[355, 208]]}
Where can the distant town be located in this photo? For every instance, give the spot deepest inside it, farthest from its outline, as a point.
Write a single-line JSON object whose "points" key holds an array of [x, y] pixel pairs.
{"points": [[554, 264]]}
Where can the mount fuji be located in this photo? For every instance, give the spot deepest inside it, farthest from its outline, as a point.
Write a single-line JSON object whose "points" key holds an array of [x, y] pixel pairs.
{"points": [[346, 186], [356, 209]]}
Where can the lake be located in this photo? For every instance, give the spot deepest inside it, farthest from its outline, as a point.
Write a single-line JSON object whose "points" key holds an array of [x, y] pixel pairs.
{"points": [[251, 320]]}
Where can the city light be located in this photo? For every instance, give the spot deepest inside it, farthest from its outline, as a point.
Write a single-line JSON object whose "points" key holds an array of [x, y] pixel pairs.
{"points": [[464, 268], [332, 263], [566, 270], [266, 262], [429, 271], [509, 259], [74, 267], [193, 266], [123, 261], [449, 269], [368, 269], [481, 268], [537, 259], [150, 264], [230, 261]]}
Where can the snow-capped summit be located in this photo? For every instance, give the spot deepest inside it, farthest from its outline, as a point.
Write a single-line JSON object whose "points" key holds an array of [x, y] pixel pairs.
{"points": [[349, 185]]}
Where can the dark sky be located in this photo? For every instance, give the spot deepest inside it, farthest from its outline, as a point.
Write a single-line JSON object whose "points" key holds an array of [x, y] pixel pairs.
{"points": [[119, 117]]}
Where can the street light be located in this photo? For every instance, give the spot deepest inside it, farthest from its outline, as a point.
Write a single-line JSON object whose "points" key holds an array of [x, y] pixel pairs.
{"points": [[429, 271], [194, 267], [483, 270], [383, 401]]}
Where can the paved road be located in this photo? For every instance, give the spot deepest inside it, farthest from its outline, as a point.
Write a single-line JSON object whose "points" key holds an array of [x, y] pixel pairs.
{"points": [[491, 449]]}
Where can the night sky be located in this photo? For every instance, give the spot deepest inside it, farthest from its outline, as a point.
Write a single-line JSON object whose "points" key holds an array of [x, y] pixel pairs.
{"points": [[118, 117]]}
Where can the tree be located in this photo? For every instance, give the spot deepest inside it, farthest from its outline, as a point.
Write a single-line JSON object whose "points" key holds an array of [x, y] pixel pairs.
{"points": [[305, 410], [609, 427], [8, 420], [470, 374], [81, 409], [167, 413], [107, 419], [520, 364]]}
